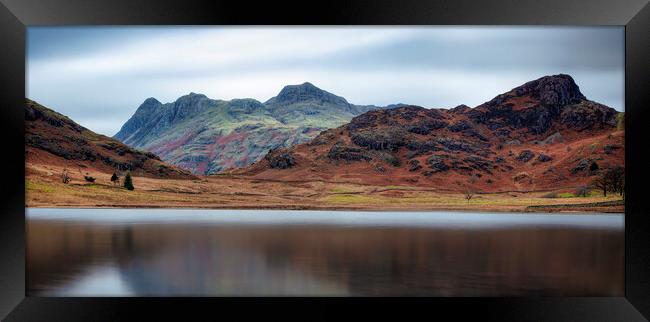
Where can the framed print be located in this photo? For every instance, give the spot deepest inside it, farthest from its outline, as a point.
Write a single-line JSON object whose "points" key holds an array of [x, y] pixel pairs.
{"points": [[482, 158]]}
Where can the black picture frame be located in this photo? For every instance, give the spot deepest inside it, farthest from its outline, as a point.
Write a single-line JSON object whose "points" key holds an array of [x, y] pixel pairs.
{"points": [[15, 15]]}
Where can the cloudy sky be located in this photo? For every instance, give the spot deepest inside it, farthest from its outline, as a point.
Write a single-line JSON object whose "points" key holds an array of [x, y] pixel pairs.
{"points": [[98, 76]]}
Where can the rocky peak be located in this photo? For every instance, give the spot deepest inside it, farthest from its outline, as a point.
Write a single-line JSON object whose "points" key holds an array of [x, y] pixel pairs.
{"points": [[139, 118], [462, 108], [190, 99], [535, 104], [148, 105], [555, 90], [151, 101], [307, 92]]}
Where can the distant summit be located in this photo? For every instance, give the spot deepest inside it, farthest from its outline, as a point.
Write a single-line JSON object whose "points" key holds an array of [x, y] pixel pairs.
{"points": [[304, 92], [208, 136]]}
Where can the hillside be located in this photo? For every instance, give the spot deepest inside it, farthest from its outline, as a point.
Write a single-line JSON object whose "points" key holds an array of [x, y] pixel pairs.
{"points": [[207, 136], [542, 135], [53, 139]]}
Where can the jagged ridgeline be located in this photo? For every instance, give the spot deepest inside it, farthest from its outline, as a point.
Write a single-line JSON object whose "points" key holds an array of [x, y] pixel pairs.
{"points": [[207, 136], [541, 135]]}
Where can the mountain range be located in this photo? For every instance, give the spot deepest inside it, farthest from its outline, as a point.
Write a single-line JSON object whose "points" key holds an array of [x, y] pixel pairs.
{"points": [[541, 135], [207, 136]]}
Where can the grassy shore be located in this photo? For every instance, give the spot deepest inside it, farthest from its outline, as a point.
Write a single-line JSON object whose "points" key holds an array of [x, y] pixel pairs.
{"points": [[44, 189]]}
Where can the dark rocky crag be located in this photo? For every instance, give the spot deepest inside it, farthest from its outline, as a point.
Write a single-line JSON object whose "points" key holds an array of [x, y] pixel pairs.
{"points": [[536, 106]]}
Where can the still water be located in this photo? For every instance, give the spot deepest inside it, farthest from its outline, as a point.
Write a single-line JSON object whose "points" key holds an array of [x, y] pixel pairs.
{"points": [[171, 252]]}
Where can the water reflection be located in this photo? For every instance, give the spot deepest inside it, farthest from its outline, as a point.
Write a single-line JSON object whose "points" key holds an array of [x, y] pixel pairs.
{"points": [[89, 258]]}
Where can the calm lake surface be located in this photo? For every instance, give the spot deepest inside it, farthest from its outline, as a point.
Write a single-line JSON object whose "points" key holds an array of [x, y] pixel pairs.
{"points": [[171, 252]]}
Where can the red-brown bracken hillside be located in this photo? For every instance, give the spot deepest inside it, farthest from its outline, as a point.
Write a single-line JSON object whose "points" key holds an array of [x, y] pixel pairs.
{"points": [[54, 140], [543, 135]]}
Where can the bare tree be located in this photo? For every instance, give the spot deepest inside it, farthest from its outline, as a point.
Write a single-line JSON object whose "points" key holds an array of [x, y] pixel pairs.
{"points": [[469, 195], [65, 176], [612, 180], [616, 179], [601, 183]]}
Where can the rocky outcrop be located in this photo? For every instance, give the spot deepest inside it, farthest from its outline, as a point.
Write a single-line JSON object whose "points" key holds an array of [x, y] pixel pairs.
{"points": [[587, 166], [380, 139], [417, 148], [459, 126], [479, 163], [425, 127], [339, 151], [280, 159], [525, 156], [587, 115], [451, 145], [414, 165], [437, 163], [554, 138]]}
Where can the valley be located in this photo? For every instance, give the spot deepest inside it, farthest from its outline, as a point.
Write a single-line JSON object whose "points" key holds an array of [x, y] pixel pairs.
{"points": [[542, 147], [240, 192]]}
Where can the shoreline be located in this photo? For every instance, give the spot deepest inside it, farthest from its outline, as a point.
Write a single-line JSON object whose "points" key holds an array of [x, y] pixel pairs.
{"points": [[544, 209], [43, 190]]}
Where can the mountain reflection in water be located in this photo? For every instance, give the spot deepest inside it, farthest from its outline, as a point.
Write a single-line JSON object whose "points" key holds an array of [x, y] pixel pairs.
{"points": [[388, 254]]}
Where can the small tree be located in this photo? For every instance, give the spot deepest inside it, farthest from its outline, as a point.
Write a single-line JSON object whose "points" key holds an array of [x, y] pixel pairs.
{"points": [[65, 177], [469, 195], [115, 179], [616, 179], [128, 182], [601, 183], [612, 180]]}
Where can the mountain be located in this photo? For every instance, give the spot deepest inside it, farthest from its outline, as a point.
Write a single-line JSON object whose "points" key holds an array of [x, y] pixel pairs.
{"points": [[544, 134], [207, 136], [54, 139]]}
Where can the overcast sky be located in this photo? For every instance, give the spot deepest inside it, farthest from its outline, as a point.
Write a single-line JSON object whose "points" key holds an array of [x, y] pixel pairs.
{"points": [[98, 76]]}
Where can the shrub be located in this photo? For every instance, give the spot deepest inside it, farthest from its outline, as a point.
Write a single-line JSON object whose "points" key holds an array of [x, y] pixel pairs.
{"points": [[583, 191], [115, 179], [89, 178]]}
